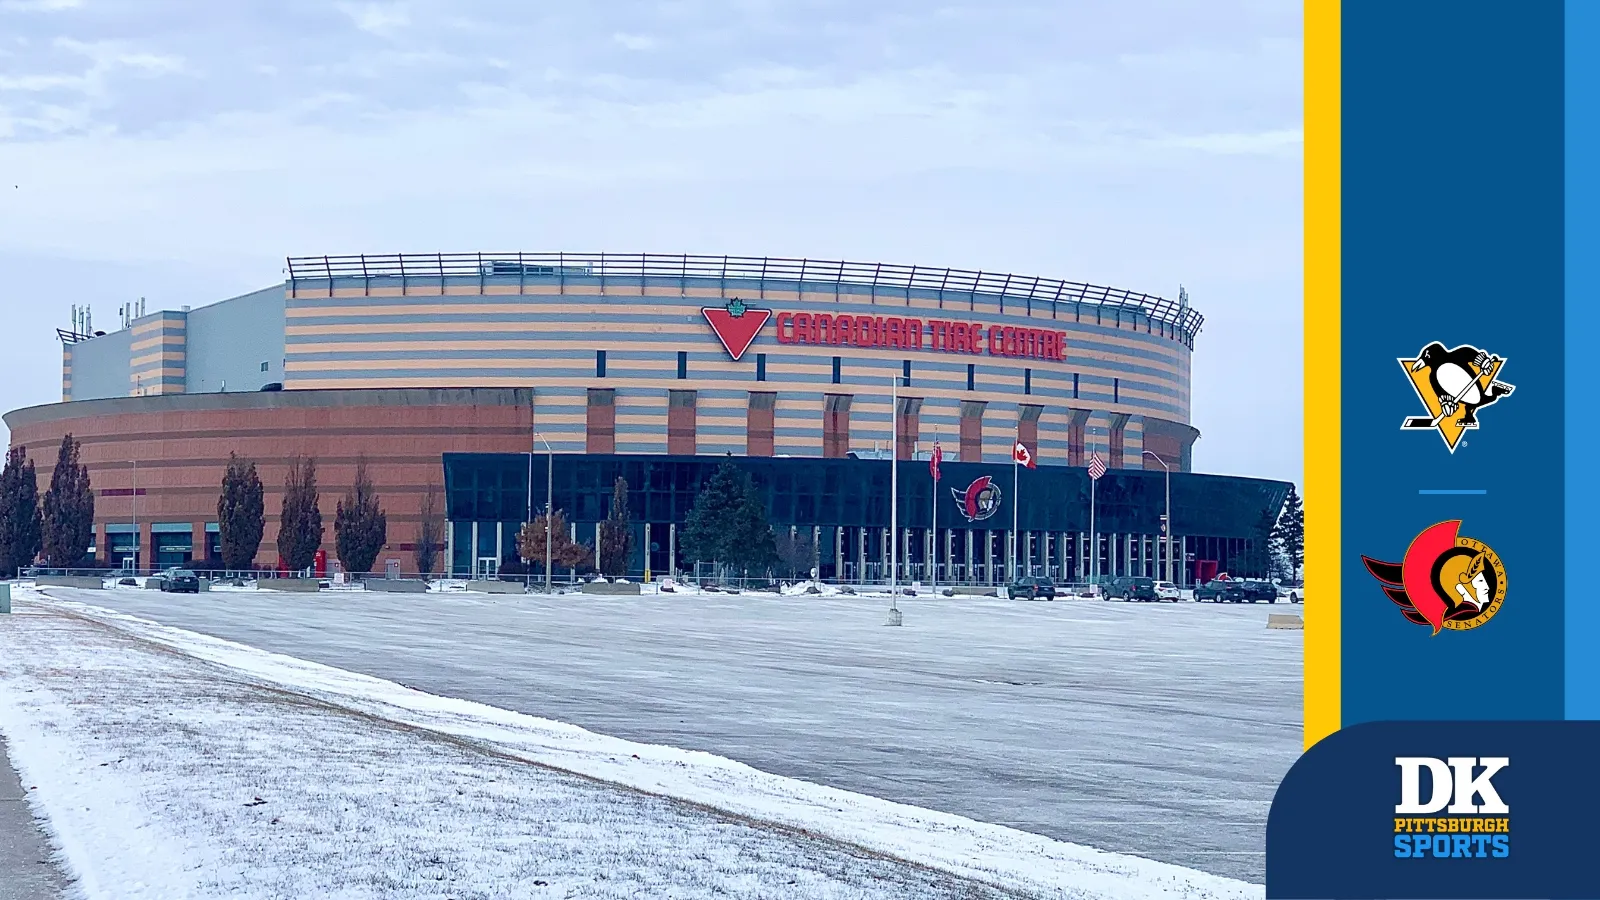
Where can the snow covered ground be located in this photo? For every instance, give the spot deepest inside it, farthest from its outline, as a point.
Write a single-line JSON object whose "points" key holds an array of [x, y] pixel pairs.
{"points": [[172, 764], [1154, 730]]}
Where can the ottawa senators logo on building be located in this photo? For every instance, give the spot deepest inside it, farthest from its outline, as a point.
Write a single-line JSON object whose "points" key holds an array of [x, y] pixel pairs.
{"points": [[1445, 580], [978, 500], [1453, 385]]}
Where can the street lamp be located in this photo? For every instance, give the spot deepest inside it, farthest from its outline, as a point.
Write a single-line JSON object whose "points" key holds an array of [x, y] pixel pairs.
{"points": [[549, 500], [1166, 530]]}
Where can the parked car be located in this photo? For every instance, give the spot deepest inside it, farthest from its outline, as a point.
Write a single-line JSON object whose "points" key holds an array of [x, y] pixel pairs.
{"points": [[1294, 592], [1259, 590], [1166, 590], [1223, 590], [1029, 587], [1132, 588], [180, 581]]}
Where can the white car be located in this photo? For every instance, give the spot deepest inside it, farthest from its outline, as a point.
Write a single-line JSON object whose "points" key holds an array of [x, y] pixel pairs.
{"points": [[1291, 594], [1166, 590]]}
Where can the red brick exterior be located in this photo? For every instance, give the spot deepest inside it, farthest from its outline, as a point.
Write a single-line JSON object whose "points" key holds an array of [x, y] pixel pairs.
{"points": [[182, 445]]}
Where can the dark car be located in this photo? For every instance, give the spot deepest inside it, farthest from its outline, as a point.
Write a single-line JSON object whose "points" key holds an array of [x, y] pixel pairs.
{"points": [[1032, 588], [1132, 588], [180, 581], [1260, 590], [1220, 591]]}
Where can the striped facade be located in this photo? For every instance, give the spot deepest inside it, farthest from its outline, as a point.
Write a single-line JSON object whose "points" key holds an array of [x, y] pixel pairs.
{"points": [[158, 355], [551, 332]]}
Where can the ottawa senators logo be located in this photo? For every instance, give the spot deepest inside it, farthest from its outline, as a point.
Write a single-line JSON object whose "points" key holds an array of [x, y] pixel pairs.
{"points": [[1445, 580], [1453, 385], [979, 500]]}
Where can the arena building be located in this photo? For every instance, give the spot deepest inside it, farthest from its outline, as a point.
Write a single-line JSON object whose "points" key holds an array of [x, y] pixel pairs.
{"points": [[470, 374]]}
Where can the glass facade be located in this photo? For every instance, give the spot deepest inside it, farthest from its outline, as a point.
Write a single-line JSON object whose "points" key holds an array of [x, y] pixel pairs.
{"points": [[845, 502]]}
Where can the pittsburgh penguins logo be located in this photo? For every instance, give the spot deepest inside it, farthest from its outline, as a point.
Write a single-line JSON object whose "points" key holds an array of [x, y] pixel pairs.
{"points": [[1445, 580], [978, 500], [1453, 385]]}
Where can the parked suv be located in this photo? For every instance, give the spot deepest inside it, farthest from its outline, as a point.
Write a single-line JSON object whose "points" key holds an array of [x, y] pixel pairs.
{"points": [[180, 581], [1030, 587], [1220, 591], [1166, 590], [1132, 588]]}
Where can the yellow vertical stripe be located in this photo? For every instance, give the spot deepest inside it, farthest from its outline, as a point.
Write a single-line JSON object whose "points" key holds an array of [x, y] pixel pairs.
{"points": [[1322, 407]]}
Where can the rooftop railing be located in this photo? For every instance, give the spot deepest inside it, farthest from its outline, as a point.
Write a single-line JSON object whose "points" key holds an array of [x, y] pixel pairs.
{"points": [[945, 283]]}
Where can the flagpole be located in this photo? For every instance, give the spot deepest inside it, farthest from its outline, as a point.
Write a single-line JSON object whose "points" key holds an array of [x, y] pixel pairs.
{"points": [[894, 480], [1094, 545], [1014, 505], [933, 528]]}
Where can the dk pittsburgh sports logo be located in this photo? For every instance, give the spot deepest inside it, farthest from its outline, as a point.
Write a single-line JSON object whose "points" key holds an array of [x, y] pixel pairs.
{"points": [[1453, 385], [1445, 580], [978, 500], [1476, 822]]}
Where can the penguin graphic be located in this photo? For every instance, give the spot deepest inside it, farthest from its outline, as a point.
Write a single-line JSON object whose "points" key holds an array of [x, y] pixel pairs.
{"points": [[1453, 384]]}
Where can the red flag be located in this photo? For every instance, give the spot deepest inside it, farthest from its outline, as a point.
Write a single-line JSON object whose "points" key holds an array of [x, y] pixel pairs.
{"points": [[1022, 454], [934, 460]]}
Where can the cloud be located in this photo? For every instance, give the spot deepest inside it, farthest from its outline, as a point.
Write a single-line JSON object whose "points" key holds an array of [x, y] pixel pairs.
{"points": [[635, 41], [39, 5], [1249, 143], [381, 19]]}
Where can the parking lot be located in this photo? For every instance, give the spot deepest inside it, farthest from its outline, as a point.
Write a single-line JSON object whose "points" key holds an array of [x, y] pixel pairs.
{"points": [[1159, 730]]}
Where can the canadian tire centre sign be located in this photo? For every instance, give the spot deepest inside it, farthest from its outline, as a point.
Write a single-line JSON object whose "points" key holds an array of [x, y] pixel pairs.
{"points": [[737, 325]]}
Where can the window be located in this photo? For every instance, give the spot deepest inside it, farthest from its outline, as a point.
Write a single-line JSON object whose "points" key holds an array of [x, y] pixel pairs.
{"points": [[761, 367], [972, 430], [836, 425], [599, 364], [836, 370], [758, 433], [1116, 390], [1074, 385], [972, 377], [681, 423], [905, 373], [602, 425], [1027, 381], [264, 367]]}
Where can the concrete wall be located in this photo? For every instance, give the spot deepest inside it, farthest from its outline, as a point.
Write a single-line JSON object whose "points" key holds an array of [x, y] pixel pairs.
{"points": [[228, 342], [101, 366]]}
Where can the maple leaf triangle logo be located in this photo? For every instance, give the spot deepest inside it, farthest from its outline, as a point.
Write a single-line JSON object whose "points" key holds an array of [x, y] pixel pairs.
{"points": [[735, 325]]}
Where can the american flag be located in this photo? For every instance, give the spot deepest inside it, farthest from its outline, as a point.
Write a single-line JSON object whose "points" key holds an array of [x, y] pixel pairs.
{"points": [[1097, 467], [934, 460]]}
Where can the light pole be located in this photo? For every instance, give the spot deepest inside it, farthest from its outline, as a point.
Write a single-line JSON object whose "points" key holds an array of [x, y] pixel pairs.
{"points": [[1166, 530], [549, 499]]}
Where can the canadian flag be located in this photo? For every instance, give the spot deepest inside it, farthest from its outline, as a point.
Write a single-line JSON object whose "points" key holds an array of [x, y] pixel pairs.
{"points": [[1021, 454]]}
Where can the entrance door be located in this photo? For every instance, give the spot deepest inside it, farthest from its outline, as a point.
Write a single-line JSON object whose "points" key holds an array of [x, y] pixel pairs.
{"points": [[488, 567]]}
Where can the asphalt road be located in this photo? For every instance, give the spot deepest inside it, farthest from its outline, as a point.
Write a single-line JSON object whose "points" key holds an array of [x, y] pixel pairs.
{"points": [[1157, 730]]}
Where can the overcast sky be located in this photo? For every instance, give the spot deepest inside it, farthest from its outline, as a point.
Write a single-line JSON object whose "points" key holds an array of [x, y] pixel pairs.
{"points": [[180, 149]]}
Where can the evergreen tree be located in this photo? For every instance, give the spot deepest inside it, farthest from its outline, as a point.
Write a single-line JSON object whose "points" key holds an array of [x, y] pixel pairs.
{"points": [[21, 524], [430, 531], [728, 524], [616, 533], [68, 509], [360, 528], [241, 514], [1290, 532], [565, 553], [300, 521]]}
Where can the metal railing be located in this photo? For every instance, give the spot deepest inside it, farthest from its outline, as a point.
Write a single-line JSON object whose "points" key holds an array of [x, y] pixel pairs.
{"points": [[1176, 318]]}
